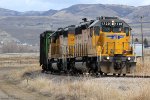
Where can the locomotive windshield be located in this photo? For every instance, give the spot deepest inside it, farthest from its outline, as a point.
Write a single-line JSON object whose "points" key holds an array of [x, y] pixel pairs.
{"points": [[112, 26], [113, 29], [96, 30], [106, 28], [116, 29], [126, 30]]}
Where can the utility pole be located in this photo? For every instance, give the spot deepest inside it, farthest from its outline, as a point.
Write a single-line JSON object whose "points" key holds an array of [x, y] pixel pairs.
{"points": [[142, 40], [132, 38]]}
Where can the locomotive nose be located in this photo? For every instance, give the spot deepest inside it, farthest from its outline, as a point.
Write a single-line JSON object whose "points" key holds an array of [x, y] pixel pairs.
{"points": [[115, 43]]}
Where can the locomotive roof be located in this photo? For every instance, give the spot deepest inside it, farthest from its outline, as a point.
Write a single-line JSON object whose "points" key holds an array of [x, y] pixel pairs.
{"points": [[71, 27], [53, 34], [61, 30], [108, 19], [45, 32], [87, 23]]}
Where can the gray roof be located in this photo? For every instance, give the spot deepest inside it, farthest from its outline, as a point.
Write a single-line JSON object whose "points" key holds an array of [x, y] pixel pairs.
{"points": [[98, 22], [94, 23]]}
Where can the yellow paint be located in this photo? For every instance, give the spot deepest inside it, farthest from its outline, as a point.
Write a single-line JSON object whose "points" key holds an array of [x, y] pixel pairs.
{"points": [[71, 39], [71, 43], [95, 40], [106, 46]]}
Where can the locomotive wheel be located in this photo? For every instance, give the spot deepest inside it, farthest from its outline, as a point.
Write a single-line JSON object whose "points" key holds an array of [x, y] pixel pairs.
{"points": [[43, 68], [49, 67], [71, 69], [101, 73], [59, 65], [119, 75], [98, 74], [42, 71], [114, 74], [105, 74], [93, 68], [124, 75]]}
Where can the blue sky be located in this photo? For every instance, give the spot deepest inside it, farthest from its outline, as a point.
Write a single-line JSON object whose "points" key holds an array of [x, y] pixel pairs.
{"points": [[42, 5]]}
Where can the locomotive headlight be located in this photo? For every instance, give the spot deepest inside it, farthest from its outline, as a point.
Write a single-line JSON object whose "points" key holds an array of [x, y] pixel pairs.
{"points": [[113, 23], [129, 58], [108, 58]]}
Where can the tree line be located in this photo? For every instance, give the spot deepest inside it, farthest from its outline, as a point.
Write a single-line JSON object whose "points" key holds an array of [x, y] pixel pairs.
{"points": [[146, 44], [12, 47]]}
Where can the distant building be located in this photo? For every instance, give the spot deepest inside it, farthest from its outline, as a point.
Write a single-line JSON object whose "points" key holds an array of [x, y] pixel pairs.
{"points": [[138, 49]]}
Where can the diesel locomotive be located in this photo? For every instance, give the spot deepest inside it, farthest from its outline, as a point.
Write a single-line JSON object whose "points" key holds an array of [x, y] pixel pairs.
{"points": [[97, 46]]}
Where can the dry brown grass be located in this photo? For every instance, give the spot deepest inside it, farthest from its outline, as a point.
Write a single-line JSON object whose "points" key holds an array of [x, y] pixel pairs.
{"points": [[65, 89], [20, 74], [19, 60], [77, 90], [90, 89], [144, 68], [144, 94], [84, 88]]}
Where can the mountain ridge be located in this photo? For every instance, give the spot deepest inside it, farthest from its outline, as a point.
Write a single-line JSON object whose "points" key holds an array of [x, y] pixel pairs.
{"points": [[122, 9], [87, 10], [26, 26]]}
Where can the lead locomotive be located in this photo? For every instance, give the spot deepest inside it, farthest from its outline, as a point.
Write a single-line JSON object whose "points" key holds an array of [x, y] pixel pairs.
{"points": [[97, 46]]}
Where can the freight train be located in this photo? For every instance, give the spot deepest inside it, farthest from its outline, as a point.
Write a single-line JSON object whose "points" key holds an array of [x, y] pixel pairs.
{"points": [[101, 46]]}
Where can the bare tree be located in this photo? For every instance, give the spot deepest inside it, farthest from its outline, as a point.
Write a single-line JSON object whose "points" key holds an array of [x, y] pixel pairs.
{"points": [[136, 40], [146, 42]]}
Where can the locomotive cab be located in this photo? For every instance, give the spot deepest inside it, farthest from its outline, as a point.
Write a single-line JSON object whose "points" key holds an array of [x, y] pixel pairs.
{"points": [[115, 39], [111, 43]]}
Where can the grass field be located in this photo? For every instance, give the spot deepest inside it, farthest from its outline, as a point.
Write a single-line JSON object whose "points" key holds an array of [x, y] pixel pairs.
{"points": [[18, 60], [58, 87]]}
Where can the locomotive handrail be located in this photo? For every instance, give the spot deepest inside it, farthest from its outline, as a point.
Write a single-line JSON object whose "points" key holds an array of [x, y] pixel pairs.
{"points": [[101, 52]]}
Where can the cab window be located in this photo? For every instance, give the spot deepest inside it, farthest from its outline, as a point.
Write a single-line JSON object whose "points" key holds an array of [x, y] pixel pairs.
{"points": [[50, 40], [106, 29], [53, 39], [96, 30], [91, 32], [116, 29], [65, 34], [126, 30]]}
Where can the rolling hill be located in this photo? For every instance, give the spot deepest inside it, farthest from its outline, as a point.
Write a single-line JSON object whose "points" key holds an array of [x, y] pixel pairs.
{"points": [[26, 26]]}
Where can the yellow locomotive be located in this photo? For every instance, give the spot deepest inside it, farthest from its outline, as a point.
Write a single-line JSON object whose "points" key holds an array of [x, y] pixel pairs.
{"points": [[97, 46]]}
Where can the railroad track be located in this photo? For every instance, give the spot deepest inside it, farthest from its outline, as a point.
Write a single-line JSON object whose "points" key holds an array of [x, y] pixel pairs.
{"points": [[129, 76], [100, 76]]}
